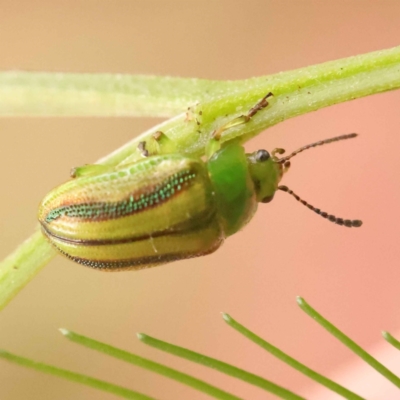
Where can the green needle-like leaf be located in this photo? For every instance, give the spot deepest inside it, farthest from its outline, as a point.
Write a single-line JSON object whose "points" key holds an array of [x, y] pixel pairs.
{"points": [[219, 366], [73, 376], [354, 347], [390, 339], [347, 394], [150, 365]]}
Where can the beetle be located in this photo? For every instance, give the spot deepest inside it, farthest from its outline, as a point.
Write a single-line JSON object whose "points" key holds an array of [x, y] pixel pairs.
{"points": [[166, 207]]}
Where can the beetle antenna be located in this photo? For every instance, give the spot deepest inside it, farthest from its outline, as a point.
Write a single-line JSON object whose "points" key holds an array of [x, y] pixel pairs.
{"points": [[349, 223], [320, 143]]}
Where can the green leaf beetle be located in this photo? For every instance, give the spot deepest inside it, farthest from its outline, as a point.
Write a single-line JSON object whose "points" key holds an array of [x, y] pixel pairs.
{"points": [[166, 207]]}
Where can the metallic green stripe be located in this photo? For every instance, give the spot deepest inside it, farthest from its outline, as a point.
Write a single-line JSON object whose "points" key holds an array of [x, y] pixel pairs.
{"points": [[134, 203]]}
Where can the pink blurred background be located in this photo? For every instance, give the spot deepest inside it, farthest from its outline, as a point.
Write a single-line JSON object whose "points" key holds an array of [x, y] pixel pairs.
{"points": [[351, 276]]}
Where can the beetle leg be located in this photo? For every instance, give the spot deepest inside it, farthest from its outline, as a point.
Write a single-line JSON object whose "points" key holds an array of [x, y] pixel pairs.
{"points": [[286, 166], [142, 149], [155, 144], [213, 145], [90, 169], [243, 118], [159, 140], [276, 151]]}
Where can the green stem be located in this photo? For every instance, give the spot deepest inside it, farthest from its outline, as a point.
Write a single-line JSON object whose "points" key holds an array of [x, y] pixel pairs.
{"points": [[73, 376], [295, 93], [353, 346], [22, 265], [150, 365], [220, 366], [64, 94], [56, 94], [342, 391]]}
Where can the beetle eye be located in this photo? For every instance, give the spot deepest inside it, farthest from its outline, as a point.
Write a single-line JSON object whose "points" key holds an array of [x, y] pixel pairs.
{"points": [[262, 155]]}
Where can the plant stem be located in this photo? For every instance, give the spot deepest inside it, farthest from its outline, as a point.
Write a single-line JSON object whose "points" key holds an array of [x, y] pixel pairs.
{"points": [[22, 265]]}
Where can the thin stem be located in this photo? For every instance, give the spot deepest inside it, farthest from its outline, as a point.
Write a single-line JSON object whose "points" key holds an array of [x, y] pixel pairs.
{"points": [[354, 347], [22, 265], [219, 366], [149, 365], [74, 377], [342, 391], [69, 94], [390, 339]]}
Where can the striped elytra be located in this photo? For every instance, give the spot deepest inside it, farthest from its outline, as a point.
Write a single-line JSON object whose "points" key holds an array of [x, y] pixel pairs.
{"points": [[165, 207], [157, 210]]}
